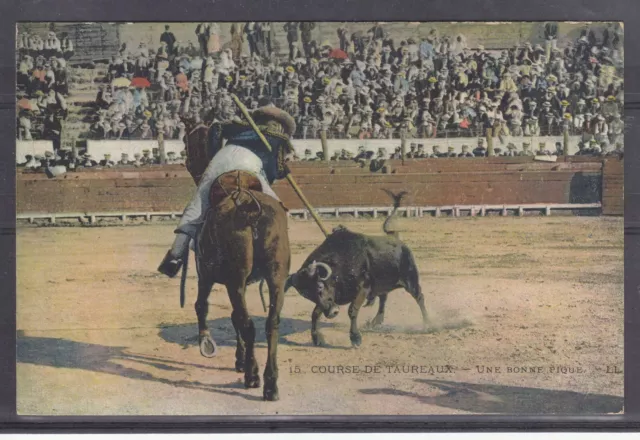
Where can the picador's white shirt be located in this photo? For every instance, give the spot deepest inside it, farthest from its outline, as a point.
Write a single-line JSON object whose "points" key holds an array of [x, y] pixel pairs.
{"points": [[229, 158]]}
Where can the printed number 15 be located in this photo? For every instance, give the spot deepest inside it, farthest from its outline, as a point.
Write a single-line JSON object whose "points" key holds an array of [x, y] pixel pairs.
{"points": [[295, 369]]}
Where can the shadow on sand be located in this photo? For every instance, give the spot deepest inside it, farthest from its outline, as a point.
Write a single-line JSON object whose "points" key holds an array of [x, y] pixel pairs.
{"points": [[63, 353], [500, 399], [224, 334]]}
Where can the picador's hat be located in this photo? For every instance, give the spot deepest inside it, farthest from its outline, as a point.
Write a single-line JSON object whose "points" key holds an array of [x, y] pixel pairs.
{"points": [[263, 115]]}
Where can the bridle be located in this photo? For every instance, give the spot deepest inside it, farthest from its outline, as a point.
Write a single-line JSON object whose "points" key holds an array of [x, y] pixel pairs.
{"points": [[198, 127]]}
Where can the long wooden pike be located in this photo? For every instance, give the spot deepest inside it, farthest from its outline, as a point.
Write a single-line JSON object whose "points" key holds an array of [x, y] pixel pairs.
{"points": [[293, 183]]}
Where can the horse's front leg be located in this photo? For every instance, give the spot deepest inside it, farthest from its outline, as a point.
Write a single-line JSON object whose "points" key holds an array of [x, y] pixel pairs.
{"points": [[208, 346]]}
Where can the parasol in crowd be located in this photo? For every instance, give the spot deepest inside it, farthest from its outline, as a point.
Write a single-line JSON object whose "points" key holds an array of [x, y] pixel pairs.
{"points": [[120, 82], [140, 82], [338, 54], [25, 104]]}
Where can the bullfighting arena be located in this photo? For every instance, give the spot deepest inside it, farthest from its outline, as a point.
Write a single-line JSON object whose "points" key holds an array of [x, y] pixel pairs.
{"points": [[526, 318]]}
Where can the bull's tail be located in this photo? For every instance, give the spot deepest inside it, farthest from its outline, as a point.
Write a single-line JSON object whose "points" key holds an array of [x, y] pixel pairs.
{"points": [[397, 199], [287, 285]]}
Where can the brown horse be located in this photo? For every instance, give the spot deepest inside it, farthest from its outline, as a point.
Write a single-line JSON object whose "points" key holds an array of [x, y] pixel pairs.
{"points": [[243, 240]]}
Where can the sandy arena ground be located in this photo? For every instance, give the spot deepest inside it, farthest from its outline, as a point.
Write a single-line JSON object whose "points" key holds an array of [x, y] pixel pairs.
{"points": [[100, 332]]}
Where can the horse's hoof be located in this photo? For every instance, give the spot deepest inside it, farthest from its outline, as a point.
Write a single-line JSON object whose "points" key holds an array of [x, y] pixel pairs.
{"points": [[271, 395], [252, 383], [208, 347], [240, 367], [318, 340], [356, 339]]}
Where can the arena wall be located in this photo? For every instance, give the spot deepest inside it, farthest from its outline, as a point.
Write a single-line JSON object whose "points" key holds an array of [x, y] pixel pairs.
{"points": [[98, 148], [430, 182], [613, 188], [300, 145], [33, 148]]}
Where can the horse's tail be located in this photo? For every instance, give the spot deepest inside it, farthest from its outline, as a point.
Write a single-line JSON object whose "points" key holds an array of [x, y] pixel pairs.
{"points": [[183, 278], [264, 303]]}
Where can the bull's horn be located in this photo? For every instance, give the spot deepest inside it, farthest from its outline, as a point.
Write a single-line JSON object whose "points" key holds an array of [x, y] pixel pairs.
{"points": [[326, 267], [311, 268]]}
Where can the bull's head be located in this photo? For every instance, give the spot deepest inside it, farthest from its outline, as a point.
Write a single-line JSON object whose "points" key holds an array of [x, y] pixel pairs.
{"points": [[313, 283]]}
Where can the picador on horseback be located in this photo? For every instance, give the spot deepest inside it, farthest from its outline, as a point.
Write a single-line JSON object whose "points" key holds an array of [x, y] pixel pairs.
{"points": [[238, 227], [244, 152]]}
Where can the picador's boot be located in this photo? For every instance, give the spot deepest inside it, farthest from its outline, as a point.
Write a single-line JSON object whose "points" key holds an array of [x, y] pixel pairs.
{"points": [[174, 259], [170, 266]]}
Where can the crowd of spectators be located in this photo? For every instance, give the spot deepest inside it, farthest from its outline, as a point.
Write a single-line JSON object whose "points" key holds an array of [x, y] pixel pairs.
{"points": [[42, 85], [371, 85]]}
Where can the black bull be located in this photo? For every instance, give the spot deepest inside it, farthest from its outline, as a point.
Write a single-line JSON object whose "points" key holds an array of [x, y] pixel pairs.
{"points": [[351, 268]]}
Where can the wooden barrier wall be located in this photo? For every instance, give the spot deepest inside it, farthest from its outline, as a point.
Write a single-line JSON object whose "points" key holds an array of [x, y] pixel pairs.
{"points": [[428, 182], [613, 187]]}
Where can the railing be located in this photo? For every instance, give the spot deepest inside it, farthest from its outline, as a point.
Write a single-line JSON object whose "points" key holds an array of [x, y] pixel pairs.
{"points": [[355, 211], [454, 210]]}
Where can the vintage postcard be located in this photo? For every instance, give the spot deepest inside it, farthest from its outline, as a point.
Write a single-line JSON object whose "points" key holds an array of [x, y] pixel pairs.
{"points": [[320, 218]]}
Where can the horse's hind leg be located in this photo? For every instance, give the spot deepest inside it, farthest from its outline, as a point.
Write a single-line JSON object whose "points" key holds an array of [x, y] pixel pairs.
{"points": [[276, 301], [245, 328], [241, 351], [207, 344]]}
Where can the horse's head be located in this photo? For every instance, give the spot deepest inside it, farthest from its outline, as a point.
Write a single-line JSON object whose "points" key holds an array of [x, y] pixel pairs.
{"points": [[195, 131], [195, 142], [189, 123]]}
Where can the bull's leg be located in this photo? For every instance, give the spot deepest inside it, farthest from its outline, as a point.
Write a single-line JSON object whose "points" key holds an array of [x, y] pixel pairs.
{"points": [[316, 336], [379, 318], [354, 308], [416, 292], [411, 282], [207, 344], [276, 300], [244, 326]]}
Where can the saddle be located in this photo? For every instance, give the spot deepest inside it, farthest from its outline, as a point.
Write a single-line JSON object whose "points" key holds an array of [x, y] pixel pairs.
{"points": [[233, 182], [236, 188]]}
